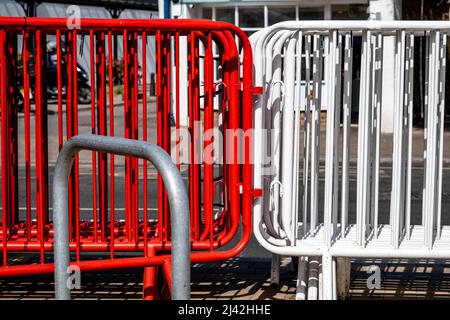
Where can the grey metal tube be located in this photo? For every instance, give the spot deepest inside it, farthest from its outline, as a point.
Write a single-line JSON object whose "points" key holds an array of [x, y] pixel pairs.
{"points": [[178, 201]]}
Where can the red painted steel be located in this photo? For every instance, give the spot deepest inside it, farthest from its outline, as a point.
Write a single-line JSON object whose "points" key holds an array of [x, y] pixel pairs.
{"points": [[219, 96]]}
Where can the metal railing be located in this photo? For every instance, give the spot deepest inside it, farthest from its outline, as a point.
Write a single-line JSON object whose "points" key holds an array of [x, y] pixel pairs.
{"points": [[176, 191], [306, 67]]}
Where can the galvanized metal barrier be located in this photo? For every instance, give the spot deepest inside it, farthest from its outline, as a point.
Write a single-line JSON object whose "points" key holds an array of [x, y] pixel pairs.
{"points": [[176, 192], [198, 64], [306, 67]]}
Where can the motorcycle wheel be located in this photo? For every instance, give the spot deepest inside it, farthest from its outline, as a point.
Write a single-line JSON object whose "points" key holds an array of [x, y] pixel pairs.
{"points": [[84, 95]]}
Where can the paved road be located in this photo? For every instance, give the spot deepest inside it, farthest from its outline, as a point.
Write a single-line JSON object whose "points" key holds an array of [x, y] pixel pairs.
{"points": [[249, 279]]}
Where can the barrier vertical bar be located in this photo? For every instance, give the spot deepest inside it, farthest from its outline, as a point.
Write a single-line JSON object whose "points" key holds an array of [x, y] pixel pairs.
{"points": [[40, 137], [315, 135], [410, 141], [330, 133], [111, 133], [26, 103], [307, 135], [93, 131], [441, 136], [145, 138], [102, 130], [5, 157], [347, 113], [76, 179]]}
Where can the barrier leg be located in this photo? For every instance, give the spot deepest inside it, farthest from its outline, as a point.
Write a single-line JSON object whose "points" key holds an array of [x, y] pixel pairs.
{"points": [[343, 268], [302, 281], [149, 283], [313, 278], [275, 270], [328, 273]]}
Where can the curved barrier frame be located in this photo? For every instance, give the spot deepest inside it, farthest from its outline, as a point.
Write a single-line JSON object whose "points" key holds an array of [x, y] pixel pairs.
{"points": [[178, 200], [279, 231]]}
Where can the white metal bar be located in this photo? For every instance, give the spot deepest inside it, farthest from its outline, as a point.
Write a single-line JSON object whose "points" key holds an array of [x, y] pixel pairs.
{"points": [[297, 102], [287, 136], [337, 131], [410, 127], [363, 142], [330, 133], [379, 96], [430, 194], [347, 113], [307, 138], [440, 142], [315, 135], [397, 154]]}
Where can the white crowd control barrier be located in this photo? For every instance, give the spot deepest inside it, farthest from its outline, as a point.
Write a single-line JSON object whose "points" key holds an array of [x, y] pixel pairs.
{"points": [[308, 67]]}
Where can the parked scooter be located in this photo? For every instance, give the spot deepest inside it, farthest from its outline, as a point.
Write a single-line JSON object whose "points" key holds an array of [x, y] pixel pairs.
{"points": [[83, 83]]}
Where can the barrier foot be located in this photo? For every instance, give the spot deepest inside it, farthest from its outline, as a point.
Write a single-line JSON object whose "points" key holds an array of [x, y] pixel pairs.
{"points": [[275, 270]]}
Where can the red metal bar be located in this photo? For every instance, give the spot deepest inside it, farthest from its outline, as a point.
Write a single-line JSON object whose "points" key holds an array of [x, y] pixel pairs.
{"points": [[69, 127], [193, 116], [75, 132], [13, 128], [145, 138], [5, 132], [208, 142], [59, 85], [40, 183], [159, 125], [166, 80], [177, 101], [127, 128], [26, 106], [111, 132], [135, 135], [93, 131], [101, 123]]}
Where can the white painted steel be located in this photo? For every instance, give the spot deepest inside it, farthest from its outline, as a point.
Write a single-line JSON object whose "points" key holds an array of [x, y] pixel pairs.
{"points": [[294, 62]]}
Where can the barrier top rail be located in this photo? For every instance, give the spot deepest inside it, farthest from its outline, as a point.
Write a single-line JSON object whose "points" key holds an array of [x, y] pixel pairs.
{"points": [[91, 23], [316, 25]]}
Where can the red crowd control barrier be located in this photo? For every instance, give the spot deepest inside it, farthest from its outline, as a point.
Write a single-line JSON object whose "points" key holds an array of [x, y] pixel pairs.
{"points": [[47, 96]]}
